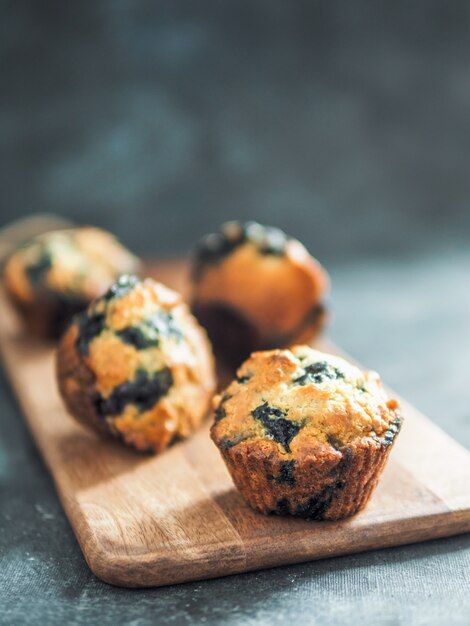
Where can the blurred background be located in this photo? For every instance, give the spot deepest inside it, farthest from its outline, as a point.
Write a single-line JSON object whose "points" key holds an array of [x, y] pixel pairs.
{"points": [[346, 124]]}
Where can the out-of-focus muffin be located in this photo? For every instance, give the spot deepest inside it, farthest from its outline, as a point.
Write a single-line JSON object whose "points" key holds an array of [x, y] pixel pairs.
{"points": [[59, 273], [137, 365], [254, 287], [305, 433]]}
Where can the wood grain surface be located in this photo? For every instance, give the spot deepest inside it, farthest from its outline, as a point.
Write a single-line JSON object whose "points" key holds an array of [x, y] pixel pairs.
{"points": [[149, 521]]}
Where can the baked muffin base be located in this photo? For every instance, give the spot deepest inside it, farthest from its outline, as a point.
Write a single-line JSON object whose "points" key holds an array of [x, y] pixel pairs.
{"points": [[47, 317], [73, 377], [331, 487], [234, 337]]}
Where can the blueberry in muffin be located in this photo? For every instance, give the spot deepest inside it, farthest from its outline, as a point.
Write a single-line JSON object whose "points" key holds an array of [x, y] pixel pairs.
{"points": [[59, 273], [254, 288], [137, 365], [305, 433]]}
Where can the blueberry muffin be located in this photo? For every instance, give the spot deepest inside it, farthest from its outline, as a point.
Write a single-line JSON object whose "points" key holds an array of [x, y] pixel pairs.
{"points": [[137, 365], [254, 288], [305, 433], [59, 273]]}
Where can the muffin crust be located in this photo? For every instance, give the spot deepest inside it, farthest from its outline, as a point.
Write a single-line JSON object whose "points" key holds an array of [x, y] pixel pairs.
{"points": [[60, 272], [137, 365], [305, 433], [256, 288]]}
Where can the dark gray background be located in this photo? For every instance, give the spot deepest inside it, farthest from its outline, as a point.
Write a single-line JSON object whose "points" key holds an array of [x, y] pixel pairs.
{"points": [[346, 123]]}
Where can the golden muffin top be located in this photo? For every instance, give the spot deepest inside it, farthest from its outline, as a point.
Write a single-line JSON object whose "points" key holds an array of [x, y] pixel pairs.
{"points": [[151, 362], [260, 272], [214, 247], [79, 263], [298, 402]]}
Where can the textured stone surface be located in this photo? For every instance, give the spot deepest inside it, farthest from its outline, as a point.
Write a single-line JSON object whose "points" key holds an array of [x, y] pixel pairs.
{"points": [[344, 123]]}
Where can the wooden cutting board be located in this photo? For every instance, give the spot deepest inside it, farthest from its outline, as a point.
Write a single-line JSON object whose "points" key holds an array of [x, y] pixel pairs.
{"points": [[148, 521]]}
